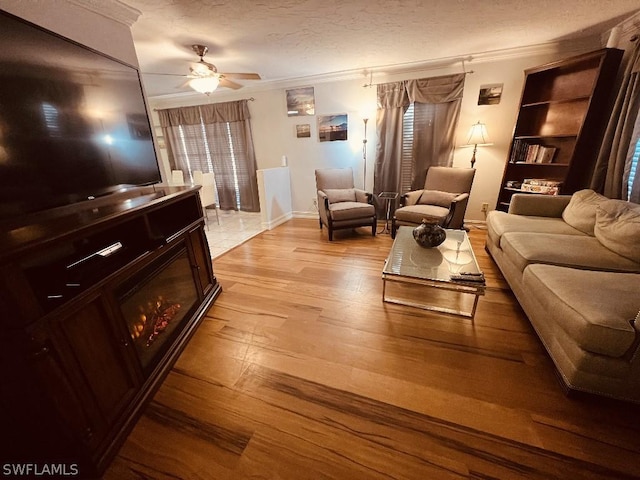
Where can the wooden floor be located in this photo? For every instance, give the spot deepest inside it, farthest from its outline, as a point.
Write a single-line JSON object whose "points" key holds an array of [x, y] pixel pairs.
{"points": [[300, 371]]}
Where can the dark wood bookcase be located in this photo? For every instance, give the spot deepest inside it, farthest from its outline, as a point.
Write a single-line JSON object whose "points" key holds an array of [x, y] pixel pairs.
{"points": [[565, 105], [98, 300]]}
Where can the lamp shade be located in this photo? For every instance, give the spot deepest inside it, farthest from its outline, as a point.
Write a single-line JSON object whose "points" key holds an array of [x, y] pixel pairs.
{"points": [[205, 85], [478, 135]]}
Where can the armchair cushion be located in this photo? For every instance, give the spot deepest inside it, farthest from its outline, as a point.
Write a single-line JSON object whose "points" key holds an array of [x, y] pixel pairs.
{"points": [[436, 197], [416, 213], [336, 195], [351, 210]]}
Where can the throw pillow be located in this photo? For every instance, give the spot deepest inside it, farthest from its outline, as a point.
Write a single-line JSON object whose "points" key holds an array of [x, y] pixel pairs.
{"points": [[337, 195], [580, 213], [436, 197], [618, 228]]}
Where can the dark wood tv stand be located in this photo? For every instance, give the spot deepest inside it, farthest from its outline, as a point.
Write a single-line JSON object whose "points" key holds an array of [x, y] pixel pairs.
{"points": [[97, 301]]}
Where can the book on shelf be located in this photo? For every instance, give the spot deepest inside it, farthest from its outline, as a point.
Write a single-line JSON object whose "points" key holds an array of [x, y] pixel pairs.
{"points": [[545, 154], [525, 152], [541, 185]]}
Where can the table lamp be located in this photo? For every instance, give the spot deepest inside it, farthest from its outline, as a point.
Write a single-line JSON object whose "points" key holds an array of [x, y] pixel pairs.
{"points": [[477, 136]]}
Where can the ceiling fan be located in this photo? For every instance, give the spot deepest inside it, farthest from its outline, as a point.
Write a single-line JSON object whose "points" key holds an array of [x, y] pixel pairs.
{"points": [[205, 78]]}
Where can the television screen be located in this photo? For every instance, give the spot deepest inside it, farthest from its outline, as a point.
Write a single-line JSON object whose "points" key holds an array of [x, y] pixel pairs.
{"points": [[73, 122]]}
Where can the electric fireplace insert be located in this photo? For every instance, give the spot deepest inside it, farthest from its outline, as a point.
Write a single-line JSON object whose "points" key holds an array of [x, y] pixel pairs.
{"points": [[155, 303]]}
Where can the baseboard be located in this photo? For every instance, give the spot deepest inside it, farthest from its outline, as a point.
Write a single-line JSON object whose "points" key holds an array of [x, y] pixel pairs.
{"points": [[277, 221], [479, 224], [305, 215]]}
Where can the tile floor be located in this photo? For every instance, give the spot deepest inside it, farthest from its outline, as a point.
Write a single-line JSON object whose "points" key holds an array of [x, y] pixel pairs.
{"points": [[234, 228]]}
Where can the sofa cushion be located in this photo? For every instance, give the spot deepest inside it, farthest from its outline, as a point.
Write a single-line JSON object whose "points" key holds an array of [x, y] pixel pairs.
{"points": [[415, 213], [580, 251], [594, 308], [436, 197], [499, 223], [618, 227], [351, 210], [336, 195], [580, 213]]}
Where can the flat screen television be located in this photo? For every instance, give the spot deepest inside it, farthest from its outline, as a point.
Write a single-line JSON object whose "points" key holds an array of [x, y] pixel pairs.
{"points": [[73, 122]]}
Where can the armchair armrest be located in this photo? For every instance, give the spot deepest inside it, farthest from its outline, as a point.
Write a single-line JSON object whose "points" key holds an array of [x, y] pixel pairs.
{"points": [[538, 205], [323, 199], [363, 196], [410, 198], [457, 209]]}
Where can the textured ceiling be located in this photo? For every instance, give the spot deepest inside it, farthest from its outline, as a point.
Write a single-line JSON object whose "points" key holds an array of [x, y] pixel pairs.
{"points": [[291, 39]]}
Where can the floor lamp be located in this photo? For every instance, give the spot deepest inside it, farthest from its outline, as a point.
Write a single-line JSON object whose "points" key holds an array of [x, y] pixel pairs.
{"points": [[364, 155]]}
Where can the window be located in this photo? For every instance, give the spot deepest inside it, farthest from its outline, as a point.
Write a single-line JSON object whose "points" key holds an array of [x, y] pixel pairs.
{"points": [[215, 138], [194, 154], [633, 169], [406, 161], [417, 126]]}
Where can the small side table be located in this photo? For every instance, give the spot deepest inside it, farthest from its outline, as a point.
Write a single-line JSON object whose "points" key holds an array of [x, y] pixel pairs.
{"points": [[388, 197]]}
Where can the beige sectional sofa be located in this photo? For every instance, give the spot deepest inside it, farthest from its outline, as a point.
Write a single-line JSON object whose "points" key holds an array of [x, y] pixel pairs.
{"points": [[573, 263]]}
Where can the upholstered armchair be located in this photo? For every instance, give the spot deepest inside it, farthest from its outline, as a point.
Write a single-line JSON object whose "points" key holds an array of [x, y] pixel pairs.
{"points": [[340, 204], [443, 199]]}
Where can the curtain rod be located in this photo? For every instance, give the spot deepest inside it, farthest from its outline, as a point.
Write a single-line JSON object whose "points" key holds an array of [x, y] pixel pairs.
{"points": [[433, 66], [250, 99]]}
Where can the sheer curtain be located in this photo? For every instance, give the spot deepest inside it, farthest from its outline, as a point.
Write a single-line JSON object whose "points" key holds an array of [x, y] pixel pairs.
{"points": [[436, 108], [615, 158], [215, 138]]}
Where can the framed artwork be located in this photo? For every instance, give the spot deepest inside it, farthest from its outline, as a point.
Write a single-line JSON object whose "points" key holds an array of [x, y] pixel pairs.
{"points": [[332, 127], [300, 101], [490, 94], [303, 130]]}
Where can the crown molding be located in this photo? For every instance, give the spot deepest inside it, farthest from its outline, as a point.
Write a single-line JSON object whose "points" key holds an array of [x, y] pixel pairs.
{"points": [[111, 9]]}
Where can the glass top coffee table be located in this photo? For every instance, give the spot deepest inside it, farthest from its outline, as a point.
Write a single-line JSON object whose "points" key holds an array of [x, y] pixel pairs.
{"points": [[421, 277]]}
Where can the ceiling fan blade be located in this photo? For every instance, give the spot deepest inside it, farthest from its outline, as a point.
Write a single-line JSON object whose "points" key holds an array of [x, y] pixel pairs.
{"points": [[165, 74], [224, 82], [243, 76]]}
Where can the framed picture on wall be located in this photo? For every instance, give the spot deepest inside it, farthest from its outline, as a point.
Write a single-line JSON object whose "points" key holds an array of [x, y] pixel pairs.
{"points": [[303, 130], [332, 127], [490, 94], [300, 101]]}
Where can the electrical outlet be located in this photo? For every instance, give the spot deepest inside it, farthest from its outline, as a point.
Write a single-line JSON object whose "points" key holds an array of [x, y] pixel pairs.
{"points": [[485, 207]]}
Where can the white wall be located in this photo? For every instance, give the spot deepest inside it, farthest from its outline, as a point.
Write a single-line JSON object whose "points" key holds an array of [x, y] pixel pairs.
{"points": [[274, 190], [274, 132]]}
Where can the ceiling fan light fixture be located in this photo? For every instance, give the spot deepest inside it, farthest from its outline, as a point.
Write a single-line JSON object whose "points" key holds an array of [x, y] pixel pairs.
{"points": [[205, 85]]}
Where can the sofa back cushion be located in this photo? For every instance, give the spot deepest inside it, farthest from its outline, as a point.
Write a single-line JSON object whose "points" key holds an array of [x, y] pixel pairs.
{"points": [[618, 227], [580, 213]]}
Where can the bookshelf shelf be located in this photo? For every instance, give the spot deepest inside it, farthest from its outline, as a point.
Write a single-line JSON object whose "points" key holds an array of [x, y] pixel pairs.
{"points": [[564, 109], [551, 102]]}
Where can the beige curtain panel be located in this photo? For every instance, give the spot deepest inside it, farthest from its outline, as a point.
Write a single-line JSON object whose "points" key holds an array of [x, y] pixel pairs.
{"points": [[215, 138], [436, 103], [613, 165]]}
